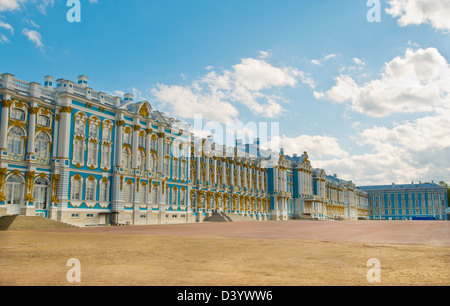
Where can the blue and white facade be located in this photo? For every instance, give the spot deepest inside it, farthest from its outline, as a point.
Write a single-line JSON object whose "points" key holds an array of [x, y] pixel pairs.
{"points": [[422, 201], [83, 157]]}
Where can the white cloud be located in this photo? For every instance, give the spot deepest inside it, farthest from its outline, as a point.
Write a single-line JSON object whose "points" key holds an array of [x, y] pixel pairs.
{"points": [[416, 82], [319, 62], [217, 94], [3, 39], [416, 12], [317, 146], [33, 36], [42, 6], [6, 26], [410, 151], [358, 61], [10, 5]]}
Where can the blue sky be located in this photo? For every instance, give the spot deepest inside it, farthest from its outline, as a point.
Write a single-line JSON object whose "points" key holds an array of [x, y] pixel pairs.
{"points": [[368, 101]]}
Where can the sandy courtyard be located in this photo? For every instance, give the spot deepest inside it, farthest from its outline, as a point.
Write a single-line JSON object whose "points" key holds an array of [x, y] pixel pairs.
{"points": [[289, 253]]}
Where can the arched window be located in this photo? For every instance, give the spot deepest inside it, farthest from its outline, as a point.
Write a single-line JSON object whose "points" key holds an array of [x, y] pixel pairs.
{"points": [[41, 193], [76, 190], [90, 190], [14, 190], [42, 145], [104, 190], [175, 169], [151, 166], [92, 159], [16, 141], [183, 197], [141, 161], [155, 194], [128, 197], [126, 159], [141, 140], [106, 156], [44, 121], [18, 114], [78, 150], [143, 193], [93, 130], [80, 124], [127, 135], [174, 196], [153, 143]]}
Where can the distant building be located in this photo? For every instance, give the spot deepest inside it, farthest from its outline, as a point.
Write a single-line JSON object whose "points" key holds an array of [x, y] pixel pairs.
{"points": [[423, 201]]}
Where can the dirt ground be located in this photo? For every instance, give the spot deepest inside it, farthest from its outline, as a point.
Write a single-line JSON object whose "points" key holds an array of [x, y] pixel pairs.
{"points": [[294, 253]]}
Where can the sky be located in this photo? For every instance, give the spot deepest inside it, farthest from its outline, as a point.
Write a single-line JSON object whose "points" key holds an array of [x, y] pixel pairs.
{"points": [[362, 86]]}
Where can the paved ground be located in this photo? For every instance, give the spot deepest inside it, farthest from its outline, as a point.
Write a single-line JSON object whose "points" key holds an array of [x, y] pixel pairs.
{"points": [[393, 232]]}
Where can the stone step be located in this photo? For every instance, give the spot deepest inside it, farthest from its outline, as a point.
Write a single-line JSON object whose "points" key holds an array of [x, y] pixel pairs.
{"points": [[11, 223]]}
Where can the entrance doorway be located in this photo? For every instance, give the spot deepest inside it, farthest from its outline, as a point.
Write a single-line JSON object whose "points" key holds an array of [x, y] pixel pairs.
{"points": [[14, 194]]}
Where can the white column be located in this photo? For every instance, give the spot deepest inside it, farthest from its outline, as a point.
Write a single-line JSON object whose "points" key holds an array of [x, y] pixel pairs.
{"points": [[119, 143], [148, 143], [135, 155], [31, 133], [161, 152], [64, 130], [207, 171], [4, 126], [224, 173]]}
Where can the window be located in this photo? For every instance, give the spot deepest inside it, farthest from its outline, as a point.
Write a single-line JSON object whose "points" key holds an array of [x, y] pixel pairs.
{"points": [[183, 171], [44, 121], [175, 171], [155, 194], [183, 197], [42, 145], [78, 151], [153, 144], [175, 149], [40, 193], [104, 190], [16, 141], [128, 197], [93, 130], [80, 127], [126, 159], [106, 131], [74, 216], [106, 156], [166, 167], [166, 148], [18, 114], [141, 141], [90, 216], [76, 189], [141, 161], [143, 194], [14, 190], [127, 137], [92, 153], [174, 196], [90, 190], [151, 166]]}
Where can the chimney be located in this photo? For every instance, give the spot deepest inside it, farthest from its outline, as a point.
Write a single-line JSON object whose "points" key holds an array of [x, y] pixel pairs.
{"points": [[83, 81], [48, 81], [128, 97]]}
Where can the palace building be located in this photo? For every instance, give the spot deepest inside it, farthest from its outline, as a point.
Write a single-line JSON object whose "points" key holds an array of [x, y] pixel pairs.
{"points": [[83, 157], [415, 201]]}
